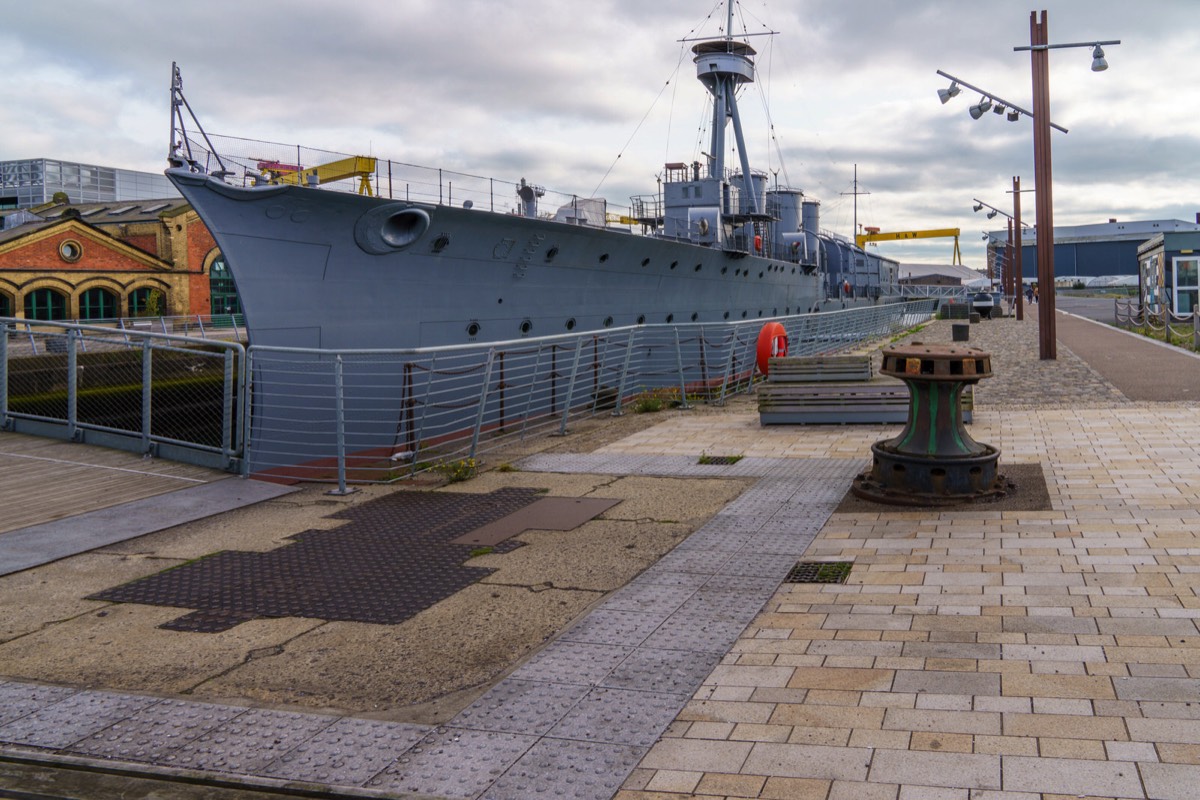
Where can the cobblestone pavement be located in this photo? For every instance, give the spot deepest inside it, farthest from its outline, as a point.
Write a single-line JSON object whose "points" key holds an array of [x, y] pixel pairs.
{"points": [[973, 655]]}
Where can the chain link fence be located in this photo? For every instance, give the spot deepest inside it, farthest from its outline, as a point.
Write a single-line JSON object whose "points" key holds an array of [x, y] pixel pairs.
{"points": [[131, 389]]}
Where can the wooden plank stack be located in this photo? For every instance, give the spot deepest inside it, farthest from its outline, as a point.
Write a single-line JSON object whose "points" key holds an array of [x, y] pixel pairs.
{"points": [[833, 390]]}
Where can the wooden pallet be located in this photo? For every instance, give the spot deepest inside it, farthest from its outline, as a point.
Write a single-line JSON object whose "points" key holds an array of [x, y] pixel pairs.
{"points": [[881, 401], [809, 369]]}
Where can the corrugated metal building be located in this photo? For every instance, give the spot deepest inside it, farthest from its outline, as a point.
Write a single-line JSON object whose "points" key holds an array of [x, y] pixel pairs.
{"points": [[1088, 251]]}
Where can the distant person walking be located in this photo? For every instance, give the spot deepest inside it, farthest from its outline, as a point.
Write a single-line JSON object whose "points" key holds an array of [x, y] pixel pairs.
{"points": [[1029, 294], [1035, 293]]}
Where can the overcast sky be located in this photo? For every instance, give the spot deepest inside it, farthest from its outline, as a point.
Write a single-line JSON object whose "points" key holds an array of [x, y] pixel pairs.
{"points": [[554, 91]]}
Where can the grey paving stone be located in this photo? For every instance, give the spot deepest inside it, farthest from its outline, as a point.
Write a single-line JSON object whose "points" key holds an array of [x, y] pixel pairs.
{"points": [[690, 633], [19, 699], [640, 596], [704, 562], [728, 606], [573, 662], [620, 716], [653, 670], [791, 545], [611, 626], [249, 742], [567, 769], [75, 717], [1041, 624], [152, 733], [347, 753], [1171, 781], [946, 682], [1071, 776], [520, 706], [951, 650], [955, 770], [453, 763], [759, 565], [764, 587], [662, 576], [1182, 690]]}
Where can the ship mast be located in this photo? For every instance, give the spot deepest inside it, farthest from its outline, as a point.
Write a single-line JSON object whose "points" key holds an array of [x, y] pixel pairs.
{"points": [[722, 65]]}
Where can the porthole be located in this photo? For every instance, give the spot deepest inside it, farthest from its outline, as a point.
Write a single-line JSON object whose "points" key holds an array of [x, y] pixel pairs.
{"points": [[697, 268], [674, 264], [641, 319], [571, 324], [526, 325], [473, 329], [645, 262], [744, 314], [794, 269], [774, 312], [724, 270], [670, 318], [760, 274], [441, 243], [551, 253], [760, 312], [70, 251], [608, 321], [603, 257], [695, 316], [499, 300], [726, 316]]}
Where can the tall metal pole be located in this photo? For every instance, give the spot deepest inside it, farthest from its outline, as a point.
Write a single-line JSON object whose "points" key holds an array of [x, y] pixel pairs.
{"points": [[1039, 58], [1008, 263], [1017, 271]]}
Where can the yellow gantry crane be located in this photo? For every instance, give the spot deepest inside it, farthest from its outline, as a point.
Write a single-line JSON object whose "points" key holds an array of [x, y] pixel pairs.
{"points": [[874, 235], [361, 167]]}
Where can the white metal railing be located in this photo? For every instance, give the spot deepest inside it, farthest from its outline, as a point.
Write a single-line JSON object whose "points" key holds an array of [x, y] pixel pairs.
{"points": [[227, 327], [140, 390], [376, 415], [1157, 322]]}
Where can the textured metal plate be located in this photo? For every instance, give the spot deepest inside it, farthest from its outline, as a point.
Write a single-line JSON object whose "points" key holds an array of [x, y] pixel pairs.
{"points": [[518, 706], [781, 543], [651, 670], [664, 576], [620, 716], [723, 606], [453, 763], [572, 662], [19, 699], [568, 770], [152, 733], [763, 565], [393, 559], [73, 718], [249, 742], [702, 562], [347, 753], [544, 514]]}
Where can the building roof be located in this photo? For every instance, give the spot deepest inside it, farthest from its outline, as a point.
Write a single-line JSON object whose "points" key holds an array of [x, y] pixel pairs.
{"points": [[965, 274], [118, 212], [1132, 230]]}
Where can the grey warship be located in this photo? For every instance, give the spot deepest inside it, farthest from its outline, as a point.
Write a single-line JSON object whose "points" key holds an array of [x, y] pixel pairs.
{"points": [[392, 266]]}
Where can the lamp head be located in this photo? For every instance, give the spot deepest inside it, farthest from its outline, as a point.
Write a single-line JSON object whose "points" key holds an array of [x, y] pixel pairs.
{"points": [[978, 207], [1014, 115], [1098, 62], [999, 109], [992, 214], [946, 94]]}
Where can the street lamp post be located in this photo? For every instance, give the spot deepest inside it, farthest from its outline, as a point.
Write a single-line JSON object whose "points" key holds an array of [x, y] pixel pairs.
{"points": [[1017, 248], [1039, 48]]}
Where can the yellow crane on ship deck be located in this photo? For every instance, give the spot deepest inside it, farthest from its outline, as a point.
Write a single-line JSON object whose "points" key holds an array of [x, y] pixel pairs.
{"points": [[361, 167], [874, 235]]}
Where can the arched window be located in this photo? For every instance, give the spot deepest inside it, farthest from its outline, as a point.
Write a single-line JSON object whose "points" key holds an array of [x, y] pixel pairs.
{"points": [[221, 289], [45, 304], [147, 302], [97, 304], [5, 305]]}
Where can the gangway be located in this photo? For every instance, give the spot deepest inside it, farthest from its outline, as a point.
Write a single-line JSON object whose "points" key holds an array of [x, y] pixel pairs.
{"points": [[874, 235], [361, 167]]}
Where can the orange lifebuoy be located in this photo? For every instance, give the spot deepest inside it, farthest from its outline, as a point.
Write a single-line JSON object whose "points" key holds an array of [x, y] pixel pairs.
{"points": [[757, 243], [772, 343]]}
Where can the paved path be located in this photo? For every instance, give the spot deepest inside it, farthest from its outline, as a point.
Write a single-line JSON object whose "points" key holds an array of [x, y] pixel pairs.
{"points": [[971, 655]]}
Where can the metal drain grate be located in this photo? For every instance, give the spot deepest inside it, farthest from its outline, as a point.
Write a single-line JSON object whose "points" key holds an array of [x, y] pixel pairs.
{"points": [[725, 460], [819, 572]]}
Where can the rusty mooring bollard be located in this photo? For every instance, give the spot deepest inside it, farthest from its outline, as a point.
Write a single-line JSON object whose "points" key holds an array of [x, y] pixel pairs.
{"points": [[933, 461]]}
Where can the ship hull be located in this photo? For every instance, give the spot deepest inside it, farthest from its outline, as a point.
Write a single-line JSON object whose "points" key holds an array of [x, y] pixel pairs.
{"points": [[312, 271]]}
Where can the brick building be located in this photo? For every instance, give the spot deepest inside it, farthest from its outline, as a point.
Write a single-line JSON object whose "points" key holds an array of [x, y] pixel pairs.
{"points": [[92, 261]]}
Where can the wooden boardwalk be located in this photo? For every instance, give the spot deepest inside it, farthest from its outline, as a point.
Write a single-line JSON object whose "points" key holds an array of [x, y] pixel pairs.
{"points": [[42, 480]]}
